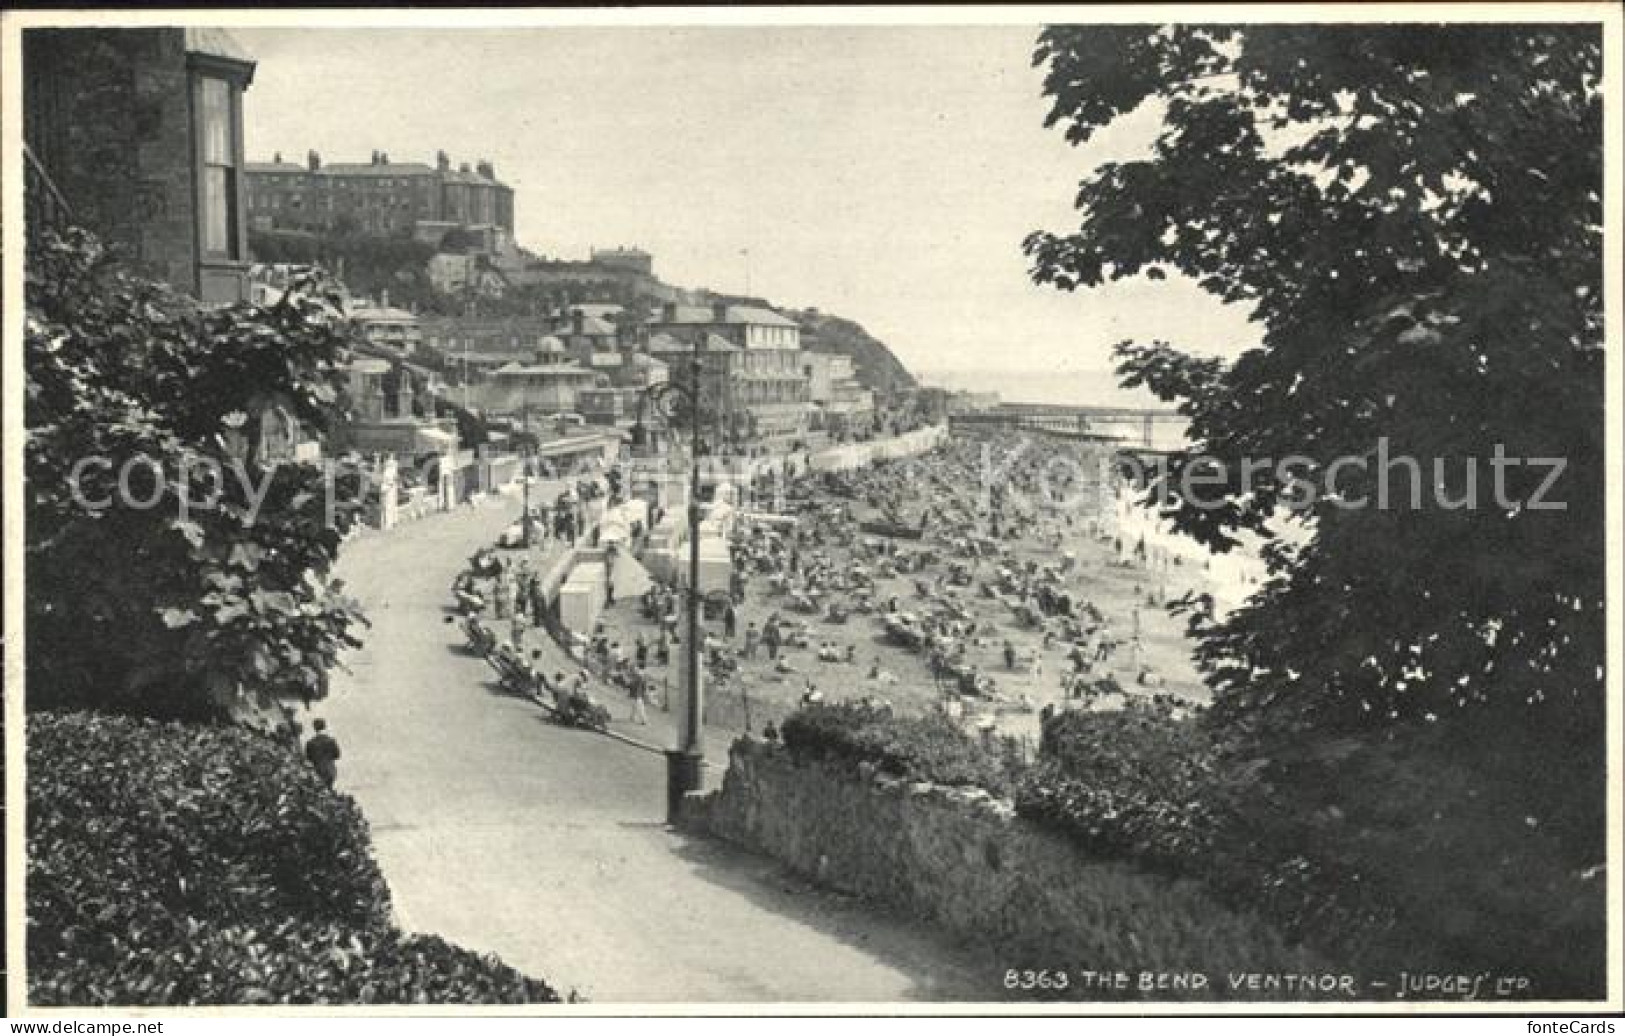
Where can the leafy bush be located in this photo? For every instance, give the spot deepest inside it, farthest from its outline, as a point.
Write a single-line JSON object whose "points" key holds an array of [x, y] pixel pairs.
{"points": [[924, 748], [221, 583], [1432, 848], [1142, 783], [170, 863], [295, 962]]}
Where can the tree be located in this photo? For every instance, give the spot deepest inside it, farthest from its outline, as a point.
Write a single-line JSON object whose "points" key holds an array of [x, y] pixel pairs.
{"points": [[203, 581], [1413, 215]]}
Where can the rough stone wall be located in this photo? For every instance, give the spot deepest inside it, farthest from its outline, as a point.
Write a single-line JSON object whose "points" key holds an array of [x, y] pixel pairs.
{"points": [[110, 118], [963, 860]]}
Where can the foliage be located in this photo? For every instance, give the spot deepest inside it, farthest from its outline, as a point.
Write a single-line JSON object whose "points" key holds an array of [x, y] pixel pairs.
{"points": [[1412, 215], [172, 864], [221, 582], [1140, 783], [369, 264], [1413, 847], [923, 748], [290, 962]]}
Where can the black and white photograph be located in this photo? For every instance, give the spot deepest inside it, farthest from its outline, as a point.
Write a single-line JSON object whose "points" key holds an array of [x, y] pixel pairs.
{"points": [[1071, 510]]}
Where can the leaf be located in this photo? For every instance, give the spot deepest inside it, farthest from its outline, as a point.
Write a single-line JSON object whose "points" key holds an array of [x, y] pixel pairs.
{"points": [[176, 618]]}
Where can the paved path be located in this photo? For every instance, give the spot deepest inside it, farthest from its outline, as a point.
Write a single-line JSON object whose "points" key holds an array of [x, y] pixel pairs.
{"points": [[505, 833]]}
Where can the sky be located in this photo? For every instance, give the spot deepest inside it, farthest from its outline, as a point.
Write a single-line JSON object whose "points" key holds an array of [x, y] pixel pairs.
{"points": [[888, 174]]}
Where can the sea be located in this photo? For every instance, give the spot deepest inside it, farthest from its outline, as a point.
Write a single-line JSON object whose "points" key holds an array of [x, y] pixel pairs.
{"points": [[1074, 387]]}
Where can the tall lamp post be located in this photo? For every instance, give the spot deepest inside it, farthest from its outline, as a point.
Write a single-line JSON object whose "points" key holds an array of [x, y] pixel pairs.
{"points": [[685, 763]]}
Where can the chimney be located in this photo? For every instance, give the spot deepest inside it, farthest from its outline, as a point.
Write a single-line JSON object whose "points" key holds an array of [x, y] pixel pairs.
{"points": [[442, 161], [668, 312], [383, 299], [375, 154], [313, 160], [383, 158], [277, 157], [486, 170], [577, 321], [719, 312], [463, 168]]}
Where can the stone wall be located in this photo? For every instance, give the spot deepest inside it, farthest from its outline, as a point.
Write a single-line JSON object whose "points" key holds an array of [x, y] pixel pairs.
{"points": [[961, 859], [109, 116]]}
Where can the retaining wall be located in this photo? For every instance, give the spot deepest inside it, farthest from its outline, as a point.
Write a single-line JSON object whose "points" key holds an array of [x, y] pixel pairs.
{"points": [[963, 860]]}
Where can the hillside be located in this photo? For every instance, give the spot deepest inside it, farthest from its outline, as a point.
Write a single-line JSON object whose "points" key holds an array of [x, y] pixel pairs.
{"points": [[371, 266], [876, 366]]}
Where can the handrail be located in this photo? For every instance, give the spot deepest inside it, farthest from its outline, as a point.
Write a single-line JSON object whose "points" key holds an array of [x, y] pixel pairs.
{"points": [[38, 167]]}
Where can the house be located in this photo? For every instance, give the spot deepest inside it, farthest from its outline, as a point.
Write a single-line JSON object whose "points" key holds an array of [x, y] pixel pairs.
{"points": [[136, 135], [749, 327], [586, 336], [389, 327], [632, 260], [539, 388], [841, 401], [761, 393]]}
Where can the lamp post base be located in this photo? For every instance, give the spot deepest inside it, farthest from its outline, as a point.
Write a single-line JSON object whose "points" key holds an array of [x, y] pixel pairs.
{"points": [[683, 775]]}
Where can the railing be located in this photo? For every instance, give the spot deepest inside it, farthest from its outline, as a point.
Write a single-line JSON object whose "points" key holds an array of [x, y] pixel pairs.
{"points": [[43, 202]]}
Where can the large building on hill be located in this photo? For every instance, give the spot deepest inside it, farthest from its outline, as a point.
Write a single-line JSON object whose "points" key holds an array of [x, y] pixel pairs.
{"points": [[379, 197]]}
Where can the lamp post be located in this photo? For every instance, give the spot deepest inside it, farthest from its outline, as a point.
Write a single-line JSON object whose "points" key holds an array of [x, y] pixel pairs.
{"points": [[685, 762], [526, 527]]}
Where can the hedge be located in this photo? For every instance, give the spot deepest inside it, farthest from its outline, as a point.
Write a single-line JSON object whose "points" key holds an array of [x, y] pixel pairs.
{"points": [[930, 748], [1418, 850], [1143, 783], [186, 864]]}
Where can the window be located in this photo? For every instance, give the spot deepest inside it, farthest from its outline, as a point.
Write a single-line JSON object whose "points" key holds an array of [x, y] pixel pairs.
{"points": [[217, 134]]}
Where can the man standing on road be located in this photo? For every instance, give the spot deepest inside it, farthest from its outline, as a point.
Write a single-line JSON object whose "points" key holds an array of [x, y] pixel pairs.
{"points": [[640, 695], [323, 752]]}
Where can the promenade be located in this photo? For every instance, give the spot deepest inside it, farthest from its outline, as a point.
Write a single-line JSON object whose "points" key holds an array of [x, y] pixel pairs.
{"points": [[505, 833]]}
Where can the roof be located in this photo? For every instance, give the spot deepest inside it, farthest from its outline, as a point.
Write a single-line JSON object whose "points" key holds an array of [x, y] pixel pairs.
{"points": [[369, 365], [497, 357], [384, 169], [380, 313], [754, 316], [274, 167], [550, 344], [216, 43], [546, 368], [597, 309]]}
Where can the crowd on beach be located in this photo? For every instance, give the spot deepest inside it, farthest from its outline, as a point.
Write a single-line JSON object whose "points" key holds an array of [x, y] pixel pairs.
{"points": [[923, 581]]}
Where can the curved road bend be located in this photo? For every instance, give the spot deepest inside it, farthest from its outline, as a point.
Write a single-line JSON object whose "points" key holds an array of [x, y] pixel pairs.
{"points": [[507, 834]]}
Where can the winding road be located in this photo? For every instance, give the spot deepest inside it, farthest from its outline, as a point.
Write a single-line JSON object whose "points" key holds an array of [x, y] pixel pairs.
{"points": [[507, 834]]}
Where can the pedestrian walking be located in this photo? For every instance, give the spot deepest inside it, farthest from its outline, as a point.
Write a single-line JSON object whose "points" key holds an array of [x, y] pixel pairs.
{"points": [[752, 638], [640, 695], [323, 752], [730, 621]]}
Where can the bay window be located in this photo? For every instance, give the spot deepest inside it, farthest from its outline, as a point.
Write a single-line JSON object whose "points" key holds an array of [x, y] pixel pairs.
{"points": [[218, 142]]}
